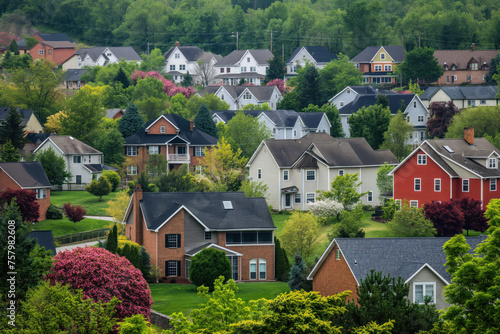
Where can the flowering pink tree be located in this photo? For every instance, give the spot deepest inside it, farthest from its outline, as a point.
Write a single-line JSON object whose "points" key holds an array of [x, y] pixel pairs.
{"points": [[169, 87], [280, 83], [101, 275], [7, 37]]}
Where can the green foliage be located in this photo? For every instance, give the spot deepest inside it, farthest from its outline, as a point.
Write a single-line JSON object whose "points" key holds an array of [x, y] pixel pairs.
{"points": [[110, 143], [177, 180], [350, 224], [11, 62], [390, 207], [484, 120], [99, 188], [337, 75], [276, 69], [53, 212], [291, 101], [333, 115], [397, 135], [9, 153], [54, 166], [13, 47], [144, 263], [136, 324], [254, 189], [250, 106], [204, 122], [112, 177], [153, 62], [384, 181], [301, 234], [123, 78], [420, 64], [309, 88], [414, 88], [297, 277], [195, 102], [343, 190], [157, 166], [151, 107], [112, 242], [12, 131], [187, 81], [382, 100], [493, 70], [410, 222], [282, 265], [130, 122], [207, 266], [370, 123]]}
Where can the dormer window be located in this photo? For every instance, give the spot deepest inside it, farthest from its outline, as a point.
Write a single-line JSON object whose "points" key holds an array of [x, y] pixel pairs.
{"points": [[473, 66], [492, 163], [445, 67], [453, 68]]}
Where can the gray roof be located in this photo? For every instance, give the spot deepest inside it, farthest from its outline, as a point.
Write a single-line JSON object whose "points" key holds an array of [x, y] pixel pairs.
{"points": [[319, 53], [335, 152], [44, 238], [463, 92], [126, 52], [261, 93], [366, 100], [71, 145], [56, 37], [395, 51], [110, 113], [74, 74], [25, 114], [247, 213], [99, 168], [191, 53], [261, 56], [27, 174], [282, 118], [59, 44], [93, 53]]}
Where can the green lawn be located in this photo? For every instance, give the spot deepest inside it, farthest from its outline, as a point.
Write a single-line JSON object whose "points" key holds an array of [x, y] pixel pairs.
{"points": [[64, 226], [170, 298], [90, 202]]}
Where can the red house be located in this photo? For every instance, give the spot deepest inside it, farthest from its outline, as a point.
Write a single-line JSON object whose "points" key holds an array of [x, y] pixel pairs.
{"points": [[56, 52], [442, 169]]}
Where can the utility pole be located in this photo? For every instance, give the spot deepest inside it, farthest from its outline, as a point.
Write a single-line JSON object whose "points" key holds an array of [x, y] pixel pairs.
{"points": [[271, 41], [283, 52], [237, 38], [148, 51]]}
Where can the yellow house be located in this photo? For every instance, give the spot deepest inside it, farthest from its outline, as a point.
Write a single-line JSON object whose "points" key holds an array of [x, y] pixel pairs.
{"points": [[30, 120], [377, 63]]}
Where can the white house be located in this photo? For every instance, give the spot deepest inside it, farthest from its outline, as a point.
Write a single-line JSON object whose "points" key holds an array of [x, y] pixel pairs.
{"points": [[294, 170], [461, 96], [239, 96], [102, 56], [250, 65], [284, 124], [319, 56]]}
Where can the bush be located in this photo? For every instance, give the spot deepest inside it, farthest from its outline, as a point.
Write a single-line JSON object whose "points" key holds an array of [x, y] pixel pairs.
{"points": [[53, 212], [101, 275], [113, 178], [207, 266]]}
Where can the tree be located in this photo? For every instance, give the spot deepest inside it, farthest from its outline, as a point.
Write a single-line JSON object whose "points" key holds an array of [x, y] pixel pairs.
{"points": [[279, 83], [207, 266], [187, 80], [337, 75], [484, 120], [157, 166], [291, 101], [153, 62], [343, 190], [282, 266], [297, 278], [53, 124], [333, 115], [175, 181], [309, 87], [12, 130], [275, 70], [382, 100], [326, 208], [301, 234], [204, 122], [90, 266], [474, 214], [54, 166], [410, 222], [9, 153], [448, 220], [493, 70], [350, 224], [441, 114], [152, 107], [135, 324], [99, 188], [117, 207], [474, 291], [14, 48], [370, 123], [420, 64], [250, 106], [111, 144], [112, 241], [130, 122], [397, 135], [384, 181], [205, 72], [26, 203], [145, 263], [254, 189], [75, 213], [112, 177], [123, 78]]}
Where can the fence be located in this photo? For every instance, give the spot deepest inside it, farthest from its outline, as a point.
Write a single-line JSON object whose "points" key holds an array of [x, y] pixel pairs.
{"points": [[70, 186], [80, 236]]}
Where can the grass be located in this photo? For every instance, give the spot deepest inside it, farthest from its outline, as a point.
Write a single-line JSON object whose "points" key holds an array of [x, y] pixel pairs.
{"points": [[65, 226], [91, 203], [170, 298]]}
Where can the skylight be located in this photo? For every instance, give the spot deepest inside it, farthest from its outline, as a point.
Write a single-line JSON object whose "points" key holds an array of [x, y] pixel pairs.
{"points": [[227, 205], [447, 148]]}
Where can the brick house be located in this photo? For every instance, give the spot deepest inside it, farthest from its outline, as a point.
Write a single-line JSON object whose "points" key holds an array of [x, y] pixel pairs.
{"points": [[30, 176], [444, 169], [418, 261], [377, 63], [173, 227], [115, 114], [172, 136], [56, 52]]}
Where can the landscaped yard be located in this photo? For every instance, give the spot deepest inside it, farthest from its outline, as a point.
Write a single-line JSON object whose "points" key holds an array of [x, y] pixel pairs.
{"points": [[64, 226], [170, 298], [83, 198]]}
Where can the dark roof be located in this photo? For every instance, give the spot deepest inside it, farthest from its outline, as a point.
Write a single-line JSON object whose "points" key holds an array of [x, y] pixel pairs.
{"points": [[195, 137], [37, 138], [363, 100], [191, 53], [240, 75], [394, 256], [461, 58], [44, 239], [281, 118], [125, 52], [74, 74], [25, 114], [93, 53], [99, 168], [247, 213], [261, 56], [27, 174], [395, 51], [71, 145], [21, 44], [261, 93], [319, 53], [463, 92], [56, 37]]}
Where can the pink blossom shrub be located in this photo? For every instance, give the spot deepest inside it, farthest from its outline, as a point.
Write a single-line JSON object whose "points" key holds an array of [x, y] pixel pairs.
{"points": [[280, 83], [101, 275], [169, 87]]}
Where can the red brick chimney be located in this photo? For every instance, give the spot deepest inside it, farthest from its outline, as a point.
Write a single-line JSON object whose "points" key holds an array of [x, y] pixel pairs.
{"points": [[138, 224], [469, 135], [473, 46], [177, 43], [191, 126]]}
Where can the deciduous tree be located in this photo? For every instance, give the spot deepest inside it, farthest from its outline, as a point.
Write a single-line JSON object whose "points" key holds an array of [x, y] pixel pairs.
{"points": [[484, 120], [447, 218], [410, 222], [337, 75], [420, 64], [207, 266], [397, 135], [349, 225], [110, 143], [370, 123], [441, 114], [54, 166], [384, 181], [25, 200], [75, 213], [474, 214], [333, 115], [117, 206], [301, 234], [343, 190], [99, 188]]}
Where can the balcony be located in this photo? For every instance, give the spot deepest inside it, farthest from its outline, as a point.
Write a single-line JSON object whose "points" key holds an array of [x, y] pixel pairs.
{"points": [[178, 158]]}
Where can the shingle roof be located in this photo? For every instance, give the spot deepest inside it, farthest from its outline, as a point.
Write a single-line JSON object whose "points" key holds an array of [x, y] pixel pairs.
{"points": [[281, 118], [55, 37], [461, 58], [99, 168], [261, 56], [395, 51], [319, 53], [25, 114], [191, 53], [27, 174], [93, 53], [126, 52], [247, 213], [261, 93], [59, 45], [37, 138], [70, 145], [74, 74], [463, 92], [110, 113], [363, 100], [44, 239]]}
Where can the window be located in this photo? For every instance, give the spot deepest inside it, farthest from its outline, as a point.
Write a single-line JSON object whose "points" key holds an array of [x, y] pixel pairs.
{"points": [[172, 268], [370, 196], [423, 290], [453, 68], [471, 103], [420, 118], [77, 159], [247, 96], [493, 184], [222, 70], [40, 52], [297, 198], [248, 59], [413, 204], [294, 133], [483, 102], [41, 193], [421, 159], [198, 170], [387, 68], [465, 185], [199, 151], [249, 237], [285, 175], [357, 65], [177, 56], [338, 254], [437, 184], [154, 150], [341, 103], [473, 67], [382, 56], [341, 172], [162, 129], [253, 69], [172, 240], [310, 197], [208, 235], [243, 69], [447, 79], [172, 67], [234, 267], [468, 77], [228, 70], [259, 173], [253, 269], [492, 163], [262, 269], [417, 184], [310, 175], [182, 67], [378, 68], [50, 51], [422, 135], [408, 119], [131, 170], [131, 150]]}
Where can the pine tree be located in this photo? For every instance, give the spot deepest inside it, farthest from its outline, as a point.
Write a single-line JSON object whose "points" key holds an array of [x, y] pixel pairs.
{"points": [[11, 129], [309, 88], [121, 76], [14, 48], [131, 121], [112, 242], [281, 260], [276, 69], [9, 153], [187, 81], [296, 281], [145, 263], [204, 122]]}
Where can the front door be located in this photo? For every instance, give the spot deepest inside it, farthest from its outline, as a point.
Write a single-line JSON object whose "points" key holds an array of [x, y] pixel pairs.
{"points": [[78, 179], [288, 202]]}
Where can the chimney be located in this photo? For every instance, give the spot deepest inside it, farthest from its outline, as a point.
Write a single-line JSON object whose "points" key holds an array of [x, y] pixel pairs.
{"points": [[473, 46], [177, 43], [191, 126], [469, 135], [138, 224]]}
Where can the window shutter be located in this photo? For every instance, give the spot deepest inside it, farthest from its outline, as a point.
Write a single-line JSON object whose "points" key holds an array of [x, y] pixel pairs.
{"points": [[178, 268], [166, 240], [178, 241], [147, 149], [166, 268], [159, 149]]}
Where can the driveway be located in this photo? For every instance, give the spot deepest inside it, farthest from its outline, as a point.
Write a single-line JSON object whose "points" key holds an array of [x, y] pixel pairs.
{"points": [[85, 244]]}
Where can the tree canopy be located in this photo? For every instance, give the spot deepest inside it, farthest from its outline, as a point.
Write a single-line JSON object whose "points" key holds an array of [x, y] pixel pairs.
{"points": [[420, 64], [370, 123]]}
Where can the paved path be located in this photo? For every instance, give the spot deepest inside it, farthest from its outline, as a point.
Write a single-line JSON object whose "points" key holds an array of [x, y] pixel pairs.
{"points": [[64, 248], [100, 217]]}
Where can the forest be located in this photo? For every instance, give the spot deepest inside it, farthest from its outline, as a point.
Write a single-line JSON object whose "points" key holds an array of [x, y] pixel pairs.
{"points": [[221, 26]]}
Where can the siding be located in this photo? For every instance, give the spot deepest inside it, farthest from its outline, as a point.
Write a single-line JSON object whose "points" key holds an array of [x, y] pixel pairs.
{"points": [[427, 276]]}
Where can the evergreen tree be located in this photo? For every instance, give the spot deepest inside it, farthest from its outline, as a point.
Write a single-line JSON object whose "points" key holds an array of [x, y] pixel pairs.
{"points": [[281, 260], [309, 87], [14, 48], [131, 121], [145, 263], [187, 81], [9, 153], [382, 100], [296, 281], [276, 69], [112, 242], [11, 129], [204, 122], [121, 76]]}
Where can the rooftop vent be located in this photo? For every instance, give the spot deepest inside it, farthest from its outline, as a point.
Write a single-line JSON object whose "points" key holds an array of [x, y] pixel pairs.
{"points": [[227, 205], [447, 148], [71, 138]]}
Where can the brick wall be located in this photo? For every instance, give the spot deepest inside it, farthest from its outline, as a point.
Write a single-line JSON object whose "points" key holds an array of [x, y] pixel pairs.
{"points": [[155, 128], [44, 205], [174, 226]]}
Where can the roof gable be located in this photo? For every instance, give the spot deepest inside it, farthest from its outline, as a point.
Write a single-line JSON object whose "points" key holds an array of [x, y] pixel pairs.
{"points": [[69, 145], [28, 175], [378, 56]]}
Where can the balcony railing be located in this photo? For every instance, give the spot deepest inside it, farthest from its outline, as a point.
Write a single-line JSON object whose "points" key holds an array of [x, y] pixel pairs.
{"points": [[178, 158]]}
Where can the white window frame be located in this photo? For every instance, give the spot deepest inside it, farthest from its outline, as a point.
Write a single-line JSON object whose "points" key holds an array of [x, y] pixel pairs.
{"points": [[131, 151], [313, 175], [417, 183], [172, 239], [259, 173], [482, 102], [77, 159], [413, 204], [338, 254], [370, 196], [424, 284], [310, 197], [377, 68], [170, 267], [253, 263], [465, 185], [131, 170], [382, 56], [493, 184], [247, 96], [40, 52], [262, 262], [182, 67], [420, 118], [177, 55], [248, 59], [387, 68], [437, 185], [286, 175], [162, 129], [492, 163], [421, 159], [199, 151], [154, 149], [41, 193], [243, 69], [172, 67], [253, 69]]}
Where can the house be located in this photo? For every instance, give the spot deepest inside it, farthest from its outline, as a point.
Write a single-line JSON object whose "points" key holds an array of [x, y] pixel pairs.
{"points": [[353, 98], [377, 63], [73, 79], [33, 140], [84, 162], [172, 136], [295, 169], [115, 113], [44, 238], [104, 55], [56, 52], [461, 96], [30, 176], [239, 96], [53, 37], [464, 66], [180, 60], [444, 169], [174, 227], [249, 65], [319, 56], [283, 124], [420, 262], [30, 119], [21, 46]]}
